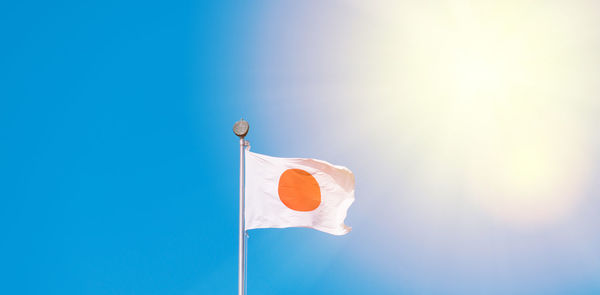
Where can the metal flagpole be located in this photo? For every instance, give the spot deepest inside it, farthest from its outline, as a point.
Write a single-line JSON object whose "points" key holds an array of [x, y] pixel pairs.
{"points": [[240, 128]]}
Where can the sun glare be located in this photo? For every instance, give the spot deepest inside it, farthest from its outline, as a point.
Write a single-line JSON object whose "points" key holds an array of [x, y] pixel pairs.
{"points": [[486, 92]]}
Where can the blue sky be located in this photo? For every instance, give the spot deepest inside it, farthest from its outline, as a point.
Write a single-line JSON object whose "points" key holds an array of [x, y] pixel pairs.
{"points": [[120, 169]]}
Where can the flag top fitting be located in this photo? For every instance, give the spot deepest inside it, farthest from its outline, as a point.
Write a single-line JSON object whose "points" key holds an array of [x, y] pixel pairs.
{"points": [[240, 128]]}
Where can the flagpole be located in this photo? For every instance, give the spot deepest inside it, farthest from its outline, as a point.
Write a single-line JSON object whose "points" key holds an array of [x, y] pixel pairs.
{"points": [[240, 128], [241, 240]]}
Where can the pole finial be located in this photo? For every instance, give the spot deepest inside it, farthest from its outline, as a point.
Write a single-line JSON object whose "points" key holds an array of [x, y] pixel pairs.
{"points": [[240, 128]]}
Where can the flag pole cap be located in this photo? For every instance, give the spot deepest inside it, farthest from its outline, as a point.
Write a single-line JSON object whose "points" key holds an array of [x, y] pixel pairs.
{"points": [[240, 128]]}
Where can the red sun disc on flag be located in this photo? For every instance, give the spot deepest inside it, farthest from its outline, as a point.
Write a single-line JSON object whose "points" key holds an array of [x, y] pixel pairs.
{"points": [[298, 190]]}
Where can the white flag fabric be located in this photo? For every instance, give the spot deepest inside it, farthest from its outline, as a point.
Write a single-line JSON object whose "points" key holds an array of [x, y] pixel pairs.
{"points": [[296, 192]]}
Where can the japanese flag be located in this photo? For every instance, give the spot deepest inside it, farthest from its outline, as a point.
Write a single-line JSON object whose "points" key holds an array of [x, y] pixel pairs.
{"points": [[295, 192]]}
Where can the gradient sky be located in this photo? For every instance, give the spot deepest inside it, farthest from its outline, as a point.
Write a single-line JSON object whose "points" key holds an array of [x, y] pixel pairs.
{"points": [[471, 128]]}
